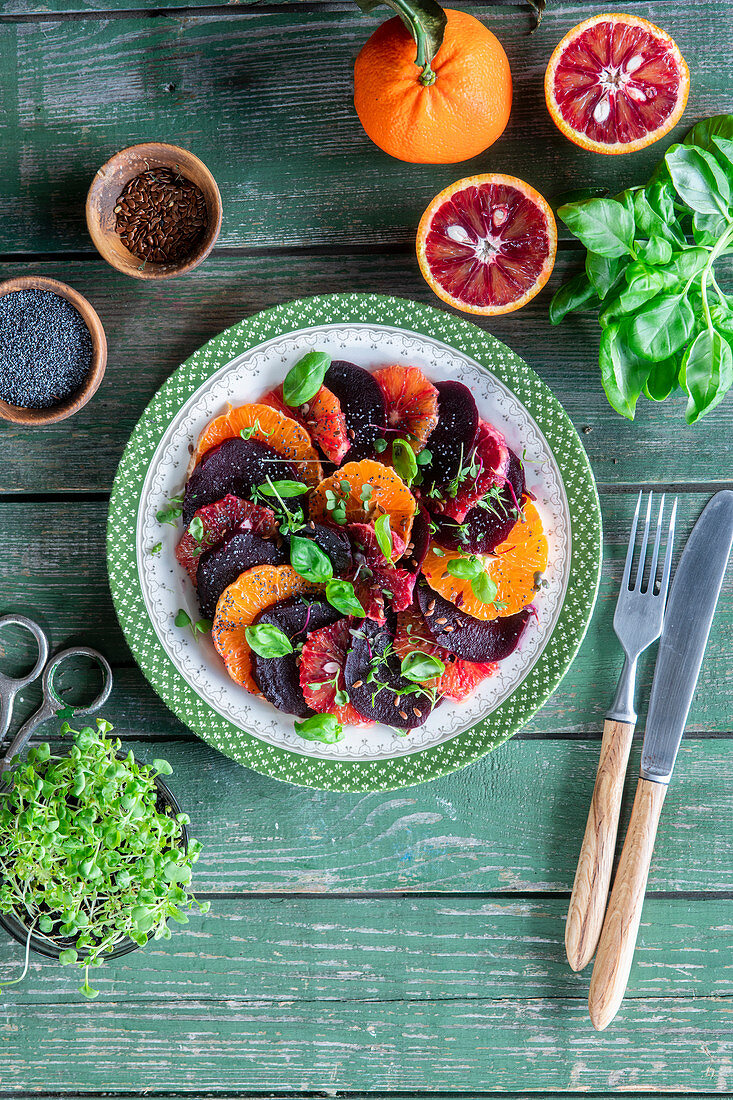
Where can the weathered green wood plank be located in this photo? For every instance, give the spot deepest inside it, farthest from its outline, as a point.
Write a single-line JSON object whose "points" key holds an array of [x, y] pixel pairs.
{"points": [[55, 570], [458, 1046], [510, 824], [279, 131], [153, 328], [388, 949]]}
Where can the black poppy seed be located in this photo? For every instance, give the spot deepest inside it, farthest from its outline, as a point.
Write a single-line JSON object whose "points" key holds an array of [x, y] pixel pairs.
{"points": [[45, 349]]}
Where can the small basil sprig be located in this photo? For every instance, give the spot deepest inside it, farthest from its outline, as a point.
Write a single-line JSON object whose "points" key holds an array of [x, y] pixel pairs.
{"points": [[419, 666], [309, 560], [472, 569], [321, 727], [650, 273], [341, 595], [404, 461], [268, 640], [201, 626], [383, 533], [171, 512], [304, 380]]}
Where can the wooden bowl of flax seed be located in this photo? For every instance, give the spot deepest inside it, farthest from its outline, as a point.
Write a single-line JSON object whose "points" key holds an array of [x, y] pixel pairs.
{"points": [[154, 211]]}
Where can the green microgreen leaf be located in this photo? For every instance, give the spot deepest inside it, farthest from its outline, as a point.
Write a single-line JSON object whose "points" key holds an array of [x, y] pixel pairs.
{"points": [[380, 445], [171, 512], [196, 528]]}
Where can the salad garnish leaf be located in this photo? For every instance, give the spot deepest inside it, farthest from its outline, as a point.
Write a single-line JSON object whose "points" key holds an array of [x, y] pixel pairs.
{"points": [[320, 727], [383, 532], [304, 380], [309, 560], [419, 666], [341, 595], [268, 640]]}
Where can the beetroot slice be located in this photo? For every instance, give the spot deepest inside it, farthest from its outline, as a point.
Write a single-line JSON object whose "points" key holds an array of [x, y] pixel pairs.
{"points": [[278, 678], [452, 440], [234, 466], [470, 639], [412, 559], [362, 403], [485, 527], [369, 698], [220, 566]]}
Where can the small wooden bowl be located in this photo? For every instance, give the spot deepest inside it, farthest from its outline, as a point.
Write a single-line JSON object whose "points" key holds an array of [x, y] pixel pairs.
{"points": [[110, 181], [38, 418]]}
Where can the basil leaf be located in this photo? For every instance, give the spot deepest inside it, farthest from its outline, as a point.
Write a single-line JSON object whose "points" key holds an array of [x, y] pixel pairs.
{"points": [[384, 535], [698, 179], [655, 251], [706, 374], [282, 489], [722, 150], [603, 225], [419, 666], [267, 640], [196, 528], [574, 294], [404, 460], [683, 265], [651, 224], [484, 588], [304, 380], [321, 727], [464, 568], [341, 595], [661, 327], [707, 228], [722, 316], [660, 195], [309, 561], [703, 132], [623, 373], [602, 272], [663, 380]]}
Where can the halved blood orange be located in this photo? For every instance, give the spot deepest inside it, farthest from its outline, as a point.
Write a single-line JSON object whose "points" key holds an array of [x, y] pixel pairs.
{"points": [[238, 607], [412, 403], [487, 244], [616, 83], [460, 677], [321, 417], [219, 520], [513, 567], [269, 426], [322, 664], [385, 492]]}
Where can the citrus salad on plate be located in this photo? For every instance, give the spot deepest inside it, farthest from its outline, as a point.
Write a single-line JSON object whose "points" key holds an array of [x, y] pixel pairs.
{"points": [[362, 545]]}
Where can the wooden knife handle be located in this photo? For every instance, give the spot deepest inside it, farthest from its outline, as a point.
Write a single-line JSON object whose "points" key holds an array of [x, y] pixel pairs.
{"points": [[621, 926], [593, 874]]}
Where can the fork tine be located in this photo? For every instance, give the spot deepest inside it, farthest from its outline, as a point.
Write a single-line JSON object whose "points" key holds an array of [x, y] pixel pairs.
{"points": [[655, 552], [644, 542], [664, 583], [632, 543]]}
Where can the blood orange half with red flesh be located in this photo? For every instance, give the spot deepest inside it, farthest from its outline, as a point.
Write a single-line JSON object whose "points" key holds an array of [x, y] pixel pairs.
{"points": [[616, 83], [487, 244], [218, 520]]}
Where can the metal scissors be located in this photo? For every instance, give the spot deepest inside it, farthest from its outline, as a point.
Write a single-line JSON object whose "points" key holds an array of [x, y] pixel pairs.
{"points": [[52, 702]]}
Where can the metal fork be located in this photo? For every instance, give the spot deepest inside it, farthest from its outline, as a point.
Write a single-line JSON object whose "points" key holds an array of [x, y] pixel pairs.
{"points": [[637, 621]]}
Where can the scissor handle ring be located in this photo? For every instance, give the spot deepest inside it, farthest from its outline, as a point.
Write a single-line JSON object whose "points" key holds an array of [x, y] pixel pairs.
{"points": [[16, 683], [78, 651]]}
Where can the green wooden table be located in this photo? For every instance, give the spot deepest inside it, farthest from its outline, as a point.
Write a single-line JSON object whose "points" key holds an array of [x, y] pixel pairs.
{"points": [[408, 944]]}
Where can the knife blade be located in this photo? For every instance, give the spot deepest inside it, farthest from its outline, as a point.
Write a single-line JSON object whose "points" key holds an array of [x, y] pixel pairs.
{"points": [[690, 609]]}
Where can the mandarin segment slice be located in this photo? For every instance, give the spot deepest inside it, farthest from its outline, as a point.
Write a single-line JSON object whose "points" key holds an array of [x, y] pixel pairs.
{"points": [[513, 567], [238, 607], [268, 425], [412, 404], [387, 492]]}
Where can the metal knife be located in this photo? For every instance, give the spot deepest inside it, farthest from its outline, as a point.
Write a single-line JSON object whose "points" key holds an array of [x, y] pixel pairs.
{"points": [[688, 618]]}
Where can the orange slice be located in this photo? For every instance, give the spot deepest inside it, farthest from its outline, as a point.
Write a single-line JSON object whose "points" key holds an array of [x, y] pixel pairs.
{"points": [[616, 83], [269, 426], [238, 607], [513, 567], [411, 401], [388, 493], [487, 244]]}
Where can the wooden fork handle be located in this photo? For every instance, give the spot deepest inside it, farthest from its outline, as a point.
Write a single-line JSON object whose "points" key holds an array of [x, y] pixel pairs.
{"points": [[593, 874], [621, 926]]}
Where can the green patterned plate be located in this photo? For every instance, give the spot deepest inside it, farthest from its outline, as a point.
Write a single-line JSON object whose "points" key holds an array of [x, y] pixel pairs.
{"points": [[148, 585]]}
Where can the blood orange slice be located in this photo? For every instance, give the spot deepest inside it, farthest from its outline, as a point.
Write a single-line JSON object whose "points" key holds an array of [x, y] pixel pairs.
{"points": [[218, 520], [487, 244], [238, 607], [366, 490], [486, 468], [616, 83], [412, 404], [513, 567], [322, 664], [262, 422], [321, 417], [376, 579]]}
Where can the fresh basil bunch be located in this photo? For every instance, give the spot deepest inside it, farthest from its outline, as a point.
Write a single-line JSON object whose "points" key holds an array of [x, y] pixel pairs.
{"points": [[650, 271]]}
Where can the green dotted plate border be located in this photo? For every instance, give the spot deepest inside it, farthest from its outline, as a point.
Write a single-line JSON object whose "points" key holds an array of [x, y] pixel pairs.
{"points": [[561, 647]]}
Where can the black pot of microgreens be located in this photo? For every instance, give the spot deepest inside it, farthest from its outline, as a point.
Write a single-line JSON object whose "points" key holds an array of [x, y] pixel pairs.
{"points": [[94, 853]]}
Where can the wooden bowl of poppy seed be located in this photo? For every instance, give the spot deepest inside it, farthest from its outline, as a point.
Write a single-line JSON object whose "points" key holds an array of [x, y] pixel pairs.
{"points": [[53, 351], [154, 211]]}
